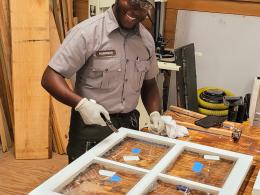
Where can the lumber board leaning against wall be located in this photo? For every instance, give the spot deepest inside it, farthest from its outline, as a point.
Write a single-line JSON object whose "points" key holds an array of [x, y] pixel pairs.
{"points": [[60, 113], [30, 55], [80, 8], [5, 62]]}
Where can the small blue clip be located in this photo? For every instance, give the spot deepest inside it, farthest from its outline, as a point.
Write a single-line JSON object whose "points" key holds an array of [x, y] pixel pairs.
{"points": [[136, 150], [115, 178], [197, 167]]}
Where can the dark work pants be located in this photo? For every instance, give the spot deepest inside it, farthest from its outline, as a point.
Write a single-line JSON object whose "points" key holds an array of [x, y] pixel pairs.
{"points": [[83, 137]]}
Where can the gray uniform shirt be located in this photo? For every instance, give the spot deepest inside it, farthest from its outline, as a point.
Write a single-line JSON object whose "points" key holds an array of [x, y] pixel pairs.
{"points": [[110, 64]]}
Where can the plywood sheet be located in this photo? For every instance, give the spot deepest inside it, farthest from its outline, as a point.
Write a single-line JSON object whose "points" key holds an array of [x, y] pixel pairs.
{"points": [[30, 55]]}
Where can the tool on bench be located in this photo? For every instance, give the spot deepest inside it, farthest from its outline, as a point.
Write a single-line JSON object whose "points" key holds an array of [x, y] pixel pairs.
{"points": [[109, 123], [210, 121], [228, 128]]}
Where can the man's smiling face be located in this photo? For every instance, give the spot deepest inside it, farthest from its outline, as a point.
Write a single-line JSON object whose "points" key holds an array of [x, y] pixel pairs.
{"points": [[129, 13]]}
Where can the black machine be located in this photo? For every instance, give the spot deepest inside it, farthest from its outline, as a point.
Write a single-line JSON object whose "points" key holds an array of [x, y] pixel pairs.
{"points": [[233, 104], [186, 79]]}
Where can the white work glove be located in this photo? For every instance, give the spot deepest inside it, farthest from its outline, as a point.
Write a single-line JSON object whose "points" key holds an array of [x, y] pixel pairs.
{"points": [[90, 112], [172, 129], [157, 124]]}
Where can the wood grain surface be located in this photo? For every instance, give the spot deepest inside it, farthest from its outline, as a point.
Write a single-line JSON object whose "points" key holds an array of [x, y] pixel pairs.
{"points": [[19, 177], [30, 55], [213, 173], [248, 144], [162, 188], [150, 153], [91, 182]]}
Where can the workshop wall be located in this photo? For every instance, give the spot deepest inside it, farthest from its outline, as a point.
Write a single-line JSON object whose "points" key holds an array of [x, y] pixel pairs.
{"points": [[239, 61], [240, 7], [228, 47]]}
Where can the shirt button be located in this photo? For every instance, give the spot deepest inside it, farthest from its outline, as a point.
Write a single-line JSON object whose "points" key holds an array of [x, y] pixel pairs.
{"points": [[106, 69], [126, 80], [123, 99], [119, 69]]}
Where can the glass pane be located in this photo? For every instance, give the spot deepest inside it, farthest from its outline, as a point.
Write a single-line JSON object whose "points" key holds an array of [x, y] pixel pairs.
{"points": [[148, 153], [91, 181], [193, 166], [162, 188]]}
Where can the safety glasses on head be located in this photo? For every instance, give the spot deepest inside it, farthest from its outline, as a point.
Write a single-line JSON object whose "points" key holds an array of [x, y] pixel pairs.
{"points": [[144, 4]]}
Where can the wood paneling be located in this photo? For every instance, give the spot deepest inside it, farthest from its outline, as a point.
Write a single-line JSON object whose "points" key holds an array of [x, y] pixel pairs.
{"points": [[30, 55], [80, 9], [242, 7]]}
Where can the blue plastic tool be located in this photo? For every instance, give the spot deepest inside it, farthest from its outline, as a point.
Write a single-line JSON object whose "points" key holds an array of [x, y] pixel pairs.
{"points": [[197, 167], [115, 178], [136, 150]]}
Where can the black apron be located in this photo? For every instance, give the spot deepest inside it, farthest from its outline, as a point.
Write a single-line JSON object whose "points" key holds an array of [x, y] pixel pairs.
{"points": [[83, 137]]}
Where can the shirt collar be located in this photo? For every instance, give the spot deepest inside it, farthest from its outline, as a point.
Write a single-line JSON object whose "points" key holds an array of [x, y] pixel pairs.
{"points": [[110, 21]]}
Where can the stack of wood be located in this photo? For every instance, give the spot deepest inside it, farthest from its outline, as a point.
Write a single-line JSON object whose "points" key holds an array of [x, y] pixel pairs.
{"points": [[61, 21], [26, 110]]}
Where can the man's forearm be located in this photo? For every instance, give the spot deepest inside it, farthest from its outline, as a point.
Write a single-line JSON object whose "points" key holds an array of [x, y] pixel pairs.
{"points": [[151, 96], [56, 85]]}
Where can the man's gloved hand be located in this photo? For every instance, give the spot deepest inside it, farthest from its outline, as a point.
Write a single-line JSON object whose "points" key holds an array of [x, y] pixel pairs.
{"points": [[172, 129], [157, 124], [90, 112]]}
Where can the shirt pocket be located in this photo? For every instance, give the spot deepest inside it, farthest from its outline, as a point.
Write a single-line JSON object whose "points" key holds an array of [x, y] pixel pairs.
{"points": [[141, 67], [104, 74]]}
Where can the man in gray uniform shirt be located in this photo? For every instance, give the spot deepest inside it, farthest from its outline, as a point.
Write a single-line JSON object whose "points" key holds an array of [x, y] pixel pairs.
{"points": [[113, 56]]}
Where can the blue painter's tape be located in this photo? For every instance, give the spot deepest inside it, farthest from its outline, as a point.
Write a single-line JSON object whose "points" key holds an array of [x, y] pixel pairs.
{"points": [[115, 178], [136, 150], [197, 167]]}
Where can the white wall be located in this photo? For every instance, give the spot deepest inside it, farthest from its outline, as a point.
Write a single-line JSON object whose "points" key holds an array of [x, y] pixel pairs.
{"points": [[229, 45]]}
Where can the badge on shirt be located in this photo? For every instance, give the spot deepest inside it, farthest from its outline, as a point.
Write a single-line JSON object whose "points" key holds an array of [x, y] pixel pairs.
{"points": [[106, 53]]}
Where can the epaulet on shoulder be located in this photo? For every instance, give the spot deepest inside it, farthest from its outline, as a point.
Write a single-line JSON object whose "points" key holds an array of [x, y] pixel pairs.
{"points": [[147, 33], [91, 21]]}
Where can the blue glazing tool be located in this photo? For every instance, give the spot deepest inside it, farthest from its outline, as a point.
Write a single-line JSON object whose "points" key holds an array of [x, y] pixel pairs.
{"points": [[197, 167], [115, 178], [136, 150]]}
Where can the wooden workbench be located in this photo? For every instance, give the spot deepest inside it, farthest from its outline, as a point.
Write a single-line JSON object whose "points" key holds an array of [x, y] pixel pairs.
{"points": [[249, 143]]}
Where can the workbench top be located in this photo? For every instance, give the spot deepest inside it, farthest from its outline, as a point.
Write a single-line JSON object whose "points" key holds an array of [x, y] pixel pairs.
{"points": [[249, 143]]}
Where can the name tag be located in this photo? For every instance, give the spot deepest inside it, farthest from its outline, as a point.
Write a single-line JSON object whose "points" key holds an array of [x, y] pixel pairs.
{"points": [[106, 53]]}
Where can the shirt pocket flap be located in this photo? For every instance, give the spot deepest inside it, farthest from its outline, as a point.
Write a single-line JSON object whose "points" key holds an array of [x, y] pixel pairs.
{"points": [[142, 65], [105, 65]]}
